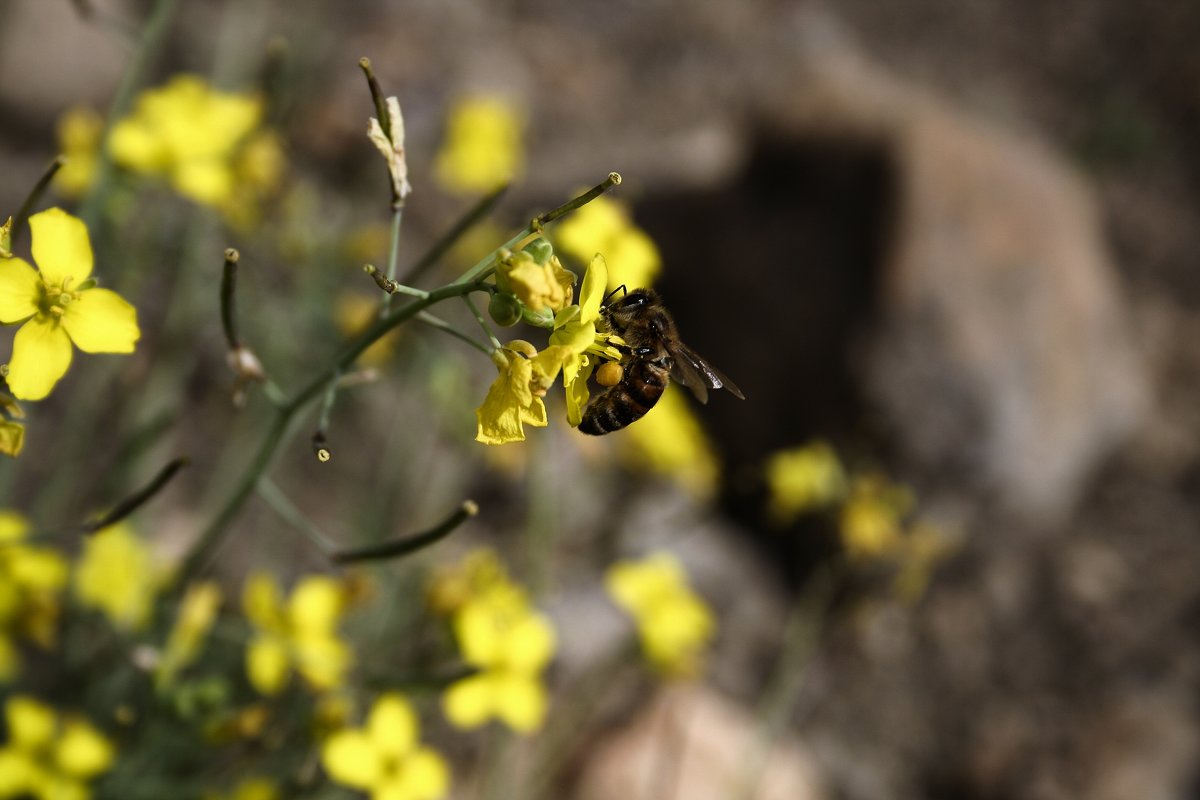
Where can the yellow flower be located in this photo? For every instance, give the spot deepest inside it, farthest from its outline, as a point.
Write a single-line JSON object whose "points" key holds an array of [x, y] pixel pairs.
{"points": [[200, 140], [603, 226], [510, 644], [671, 442], [924, 547], [515, 397], [674, 625], [482, 147], [872, 518], [303, 635], [803, 478], [575, 329], [197, 613], [538, 285], [116, 575], [48, 757], [79, 132], [385, 757], [58, 304], [30, 581]]}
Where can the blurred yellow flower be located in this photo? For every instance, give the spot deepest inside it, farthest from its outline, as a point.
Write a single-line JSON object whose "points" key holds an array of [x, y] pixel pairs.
{"points": [[385, 757], [49, 757], [515, 397], [31, 579], [801, 479], [116, 575], [872, 518], [59, 304], [673, 623], [79, 132], [604, 226], [510, 643], [924, 547], [197, 613], [201, 140], [302, 635], [482, 148]]}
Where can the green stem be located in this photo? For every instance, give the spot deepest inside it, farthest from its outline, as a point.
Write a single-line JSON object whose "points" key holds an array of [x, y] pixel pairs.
{"points": [[446, 327], [150, 41], [211, 537], [282, 505], [447, 240], [409, 544], [393, 258], [482, 322]]}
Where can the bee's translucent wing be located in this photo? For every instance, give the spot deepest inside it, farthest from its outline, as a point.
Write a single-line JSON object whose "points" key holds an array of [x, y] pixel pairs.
{"points": [[691, 370]]}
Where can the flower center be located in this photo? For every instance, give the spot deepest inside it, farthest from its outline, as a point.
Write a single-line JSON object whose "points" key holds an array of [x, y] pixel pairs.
{"points": [[54, 298]]}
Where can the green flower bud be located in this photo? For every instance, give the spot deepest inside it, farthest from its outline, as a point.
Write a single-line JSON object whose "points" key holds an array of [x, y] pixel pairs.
{"points": [[504, 309], [540, 249]]}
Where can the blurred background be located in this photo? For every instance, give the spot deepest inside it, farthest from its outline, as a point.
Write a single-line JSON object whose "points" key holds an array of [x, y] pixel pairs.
{"points": [[947, 251]]}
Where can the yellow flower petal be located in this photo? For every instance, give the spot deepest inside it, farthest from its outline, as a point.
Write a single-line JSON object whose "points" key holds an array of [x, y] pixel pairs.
{"points": [[31, 724], [468, 703], [61, 247], [350, 757], [315, 604], [41, 355], [267, 664], [322, 659], [12, 438], [392, 725], [20, 286], [595, 286], [262, 601], [426, 775], [521, 702], [101, 321], [529, 643], [82, 751]]}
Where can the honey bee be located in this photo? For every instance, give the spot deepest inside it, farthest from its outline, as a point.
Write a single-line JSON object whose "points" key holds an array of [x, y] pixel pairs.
{"points": [[653, 355]]}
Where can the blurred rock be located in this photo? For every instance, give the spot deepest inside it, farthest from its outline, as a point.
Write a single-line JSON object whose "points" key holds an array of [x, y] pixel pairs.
{"points": [[691, 744], [1003, 354]]}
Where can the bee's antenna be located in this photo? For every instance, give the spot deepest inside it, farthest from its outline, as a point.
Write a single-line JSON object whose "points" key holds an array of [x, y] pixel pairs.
{"points": [[608, 296]]}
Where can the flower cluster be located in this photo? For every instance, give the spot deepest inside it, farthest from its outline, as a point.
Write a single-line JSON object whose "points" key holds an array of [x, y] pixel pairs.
{"points": [[207, 144], [385, 757], [47, 756], [576, 343], [673, 622], [301, 635], [117, 576], [504, 638], [58, 304]]}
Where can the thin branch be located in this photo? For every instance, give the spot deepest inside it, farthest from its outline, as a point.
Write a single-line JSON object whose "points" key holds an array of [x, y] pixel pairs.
{"points": [[135, 501], [409, 544]]}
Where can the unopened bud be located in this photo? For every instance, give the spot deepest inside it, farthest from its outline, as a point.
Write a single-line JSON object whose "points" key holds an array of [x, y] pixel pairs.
{"points": [[504, 309], [540, 249], [245, 364]]}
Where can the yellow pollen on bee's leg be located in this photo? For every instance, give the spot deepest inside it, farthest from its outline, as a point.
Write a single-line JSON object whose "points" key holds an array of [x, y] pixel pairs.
{"points": [[609, 373]]}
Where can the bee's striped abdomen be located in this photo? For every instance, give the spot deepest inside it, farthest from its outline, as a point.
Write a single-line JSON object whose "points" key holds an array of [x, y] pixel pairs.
{"points": [[628, 401]]}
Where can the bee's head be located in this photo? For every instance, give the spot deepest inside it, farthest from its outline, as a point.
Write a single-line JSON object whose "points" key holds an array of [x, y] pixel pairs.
{"points": [[620, 311]]}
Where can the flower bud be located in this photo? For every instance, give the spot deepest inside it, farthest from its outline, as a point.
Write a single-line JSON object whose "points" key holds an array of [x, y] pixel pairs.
{"points": [[540, 249], [504, 309]]}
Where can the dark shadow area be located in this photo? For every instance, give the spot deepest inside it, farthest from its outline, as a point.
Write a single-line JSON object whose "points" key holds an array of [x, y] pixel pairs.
{"points": [[773, 277]]}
